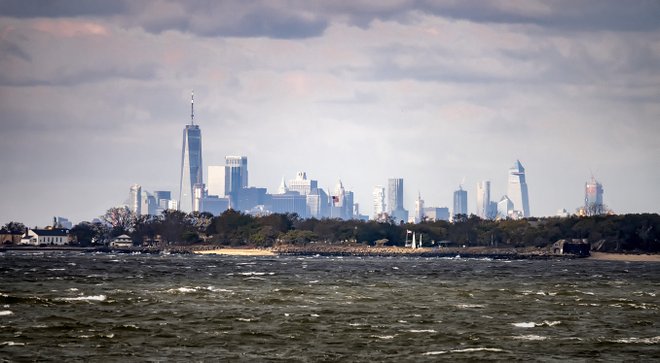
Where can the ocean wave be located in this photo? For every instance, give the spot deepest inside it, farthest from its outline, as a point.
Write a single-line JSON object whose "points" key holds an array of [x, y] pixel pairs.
{"points": [[464, 350], [422, 331], [532, 324], [10, 343], [6, 312], [384, 337], [530, 337], [634, 340], [470, 306], [86, 298]]}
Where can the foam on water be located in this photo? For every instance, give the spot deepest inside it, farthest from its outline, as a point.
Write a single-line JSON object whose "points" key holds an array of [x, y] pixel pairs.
{"points": [[530, 337], [6, 312], [86, 298]]}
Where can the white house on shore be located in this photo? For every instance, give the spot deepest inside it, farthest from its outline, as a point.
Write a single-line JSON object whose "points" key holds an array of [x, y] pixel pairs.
{"points": [[123, 241], [55, 237]]}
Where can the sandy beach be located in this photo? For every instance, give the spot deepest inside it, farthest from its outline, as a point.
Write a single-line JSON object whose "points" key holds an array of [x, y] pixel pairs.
{"points": [[604, 256], [236, 252]]}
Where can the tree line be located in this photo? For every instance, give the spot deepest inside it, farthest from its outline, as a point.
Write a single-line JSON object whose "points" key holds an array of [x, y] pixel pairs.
{"points": [[232, 228]]}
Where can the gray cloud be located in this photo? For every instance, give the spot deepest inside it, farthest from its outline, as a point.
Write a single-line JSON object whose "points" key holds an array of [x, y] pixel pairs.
{"points": [[60, 8]]}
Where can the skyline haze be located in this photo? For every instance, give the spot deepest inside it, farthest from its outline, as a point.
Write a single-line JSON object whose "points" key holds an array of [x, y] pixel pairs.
{"points": [[94, 95]]}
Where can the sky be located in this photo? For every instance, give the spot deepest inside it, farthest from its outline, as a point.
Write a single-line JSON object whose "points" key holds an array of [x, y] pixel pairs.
{"points": [[94, 96]]}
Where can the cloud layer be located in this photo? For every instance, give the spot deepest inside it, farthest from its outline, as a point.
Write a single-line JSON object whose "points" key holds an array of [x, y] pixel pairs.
{"points": [[94, 96]]}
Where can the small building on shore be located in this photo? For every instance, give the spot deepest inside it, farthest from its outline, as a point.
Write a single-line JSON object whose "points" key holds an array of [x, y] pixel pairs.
{"points": [[123, 241], [579, 247], [9, 237], [46, 237]]}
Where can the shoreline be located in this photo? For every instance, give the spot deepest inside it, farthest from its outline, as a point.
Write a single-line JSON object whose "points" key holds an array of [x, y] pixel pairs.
{"points": [[353, 250]]}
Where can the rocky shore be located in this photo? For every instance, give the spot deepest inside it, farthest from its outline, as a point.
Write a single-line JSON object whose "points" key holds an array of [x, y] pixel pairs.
{"points": [[468, 252]]}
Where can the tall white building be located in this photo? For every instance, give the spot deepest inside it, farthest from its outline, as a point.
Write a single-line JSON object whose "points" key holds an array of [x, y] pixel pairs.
{"points": [[135, 199], [505, 208], [483, 199], [419, 209], [301, 184], [216, 177], [517, 189], [379, 201]]}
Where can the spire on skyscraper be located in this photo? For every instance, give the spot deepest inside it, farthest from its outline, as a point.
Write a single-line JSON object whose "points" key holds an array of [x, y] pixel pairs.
{"points": [[192, 107]]}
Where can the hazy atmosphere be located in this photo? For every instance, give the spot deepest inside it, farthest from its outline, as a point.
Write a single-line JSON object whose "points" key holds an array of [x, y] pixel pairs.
{"points": [[94, 96]]}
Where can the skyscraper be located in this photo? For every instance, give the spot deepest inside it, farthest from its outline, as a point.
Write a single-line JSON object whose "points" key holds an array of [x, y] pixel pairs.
{"points": [[593, 197], [191, 161], [483, 199], [236, 177], [460, 202], [379, 201], [395, 200], [135, 199], [517, 189], [215, 178], [419, 209]]}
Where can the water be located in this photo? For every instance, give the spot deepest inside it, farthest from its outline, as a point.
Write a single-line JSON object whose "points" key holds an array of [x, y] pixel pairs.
{"points": [[105, 307]]}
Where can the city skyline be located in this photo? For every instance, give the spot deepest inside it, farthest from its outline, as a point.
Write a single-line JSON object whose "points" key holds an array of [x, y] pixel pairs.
{"points": [[94, 98]]}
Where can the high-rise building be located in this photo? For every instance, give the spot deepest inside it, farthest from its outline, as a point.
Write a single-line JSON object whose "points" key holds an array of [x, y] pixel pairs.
{"points": [[135, 199], [436, 214], [379, 202], [483, 199], [191, 162], [517, 189], [215, 178], [394, 194], [505, 208], [419, 209], [593, 197], [301, 184], [460, 202], [236, 177], [395, 200], [162, 198]]}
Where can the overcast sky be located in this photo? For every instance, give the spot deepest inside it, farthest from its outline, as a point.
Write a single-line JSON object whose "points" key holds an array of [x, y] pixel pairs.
{"points": [[94, 96]]}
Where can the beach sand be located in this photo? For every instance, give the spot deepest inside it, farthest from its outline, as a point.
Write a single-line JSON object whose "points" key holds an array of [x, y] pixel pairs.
{"points": [[623, 257], [236, 252]]}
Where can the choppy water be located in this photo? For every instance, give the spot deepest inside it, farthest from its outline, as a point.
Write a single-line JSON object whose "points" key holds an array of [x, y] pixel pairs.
{"points": [[104, 307]]}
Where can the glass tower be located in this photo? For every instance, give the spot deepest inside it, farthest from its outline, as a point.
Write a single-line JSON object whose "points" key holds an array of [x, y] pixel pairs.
{"points": [[517, 189], [191, 162], [460, 202], [483, 199]]}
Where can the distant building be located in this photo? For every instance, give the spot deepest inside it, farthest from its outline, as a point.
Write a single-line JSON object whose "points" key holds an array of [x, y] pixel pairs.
{"points": [[191, 162], [460, 202], [504, 208], [216, 180], [149, 204], [162, 197], [419, 210], [432, 214], [61, 222], [214, 204], [483, 199], [379, 202], [517, 189], [135, 199], [248, 198], [395, 200], [301, 184], [9, 237], [291, 202], [341, 203], [54, 236], [593, 198], [236, 178]]}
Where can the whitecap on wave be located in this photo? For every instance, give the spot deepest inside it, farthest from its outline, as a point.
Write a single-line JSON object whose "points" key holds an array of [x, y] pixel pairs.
{"points": [[634, 340], [530, 337], [86, 298], [532, 324], [464, 350], [5, 312], [422, 331]]}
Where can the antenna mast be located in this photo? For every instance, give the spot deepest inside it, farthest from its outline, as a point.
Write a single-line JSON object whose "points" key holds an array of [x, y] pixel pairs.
{"points": [[192, 107]]}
